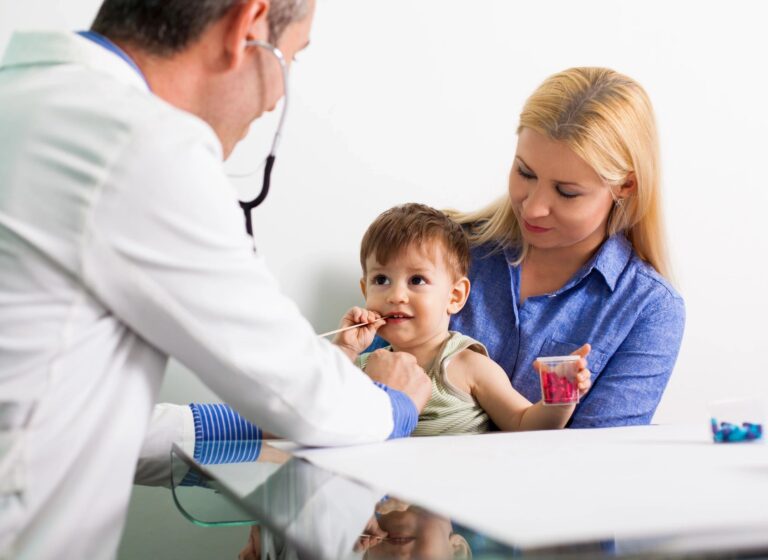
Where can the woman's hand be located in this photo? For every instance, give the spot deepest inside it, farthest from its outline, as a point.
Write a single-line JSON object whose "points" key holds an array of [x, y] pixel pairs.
{"points": [[354, 341], [583, 376]]}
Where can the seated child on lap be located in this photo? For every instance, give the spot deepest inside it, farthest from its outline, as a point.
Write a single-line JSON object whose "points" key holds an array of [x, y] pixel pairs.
{"points": [[415, 260]]}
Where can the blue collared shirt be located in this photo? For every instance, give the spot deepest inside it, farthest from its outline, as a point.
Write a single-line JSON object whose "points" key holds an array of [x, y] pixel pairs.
{"points": [[223, 436], [102, 41], [627, 311]]}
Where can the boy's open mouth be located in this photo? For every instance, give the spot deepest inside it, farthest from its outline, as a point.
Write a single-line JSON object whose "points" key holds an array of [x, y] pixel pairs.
{"points": [[397, 317]]}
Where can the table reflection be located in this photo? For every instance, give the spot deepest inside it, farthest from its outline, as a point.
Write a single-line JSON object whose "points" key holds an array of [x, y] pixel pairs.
{"points": [[300, 511], [402, 530], [296, 510]]}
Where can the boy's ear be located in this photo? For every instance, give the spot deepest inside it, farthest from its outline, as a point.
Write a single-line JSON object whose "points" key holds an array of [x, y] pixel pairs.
{"points": [[459, 295], [362, 286], [459, 546]]}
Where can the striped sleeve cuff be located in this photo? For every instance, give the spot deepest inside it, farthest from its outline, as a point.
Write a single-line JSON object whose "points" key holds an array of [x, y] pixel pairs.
{"points": [[223, 436], [404, 413]]}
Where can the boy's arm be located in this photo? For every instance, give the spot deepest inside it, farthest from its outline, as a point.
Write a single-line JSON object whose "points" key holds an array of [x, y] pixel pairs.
{"points": [[508, 409]]}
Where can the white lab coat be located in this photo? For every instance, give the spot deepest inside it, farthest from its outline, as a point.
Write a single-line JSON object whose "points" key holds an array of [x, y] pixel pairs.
{"points": [[121, 243]]}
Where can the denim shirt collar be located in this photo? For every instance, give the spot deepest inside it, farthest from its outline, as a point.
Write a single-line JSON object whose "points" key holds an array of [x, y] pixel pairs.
{"points": [[610, 260]]}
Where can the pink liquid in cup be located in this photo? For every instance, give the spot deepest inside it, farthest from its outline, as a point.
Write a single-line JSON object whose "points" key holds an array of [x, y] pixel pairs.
{"points": [[558, 379]]}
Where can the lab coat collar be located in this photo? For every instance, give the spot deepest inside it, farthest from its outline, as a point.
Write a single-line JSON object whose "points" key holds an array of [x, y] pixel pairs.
{"points": [[28, 48]]}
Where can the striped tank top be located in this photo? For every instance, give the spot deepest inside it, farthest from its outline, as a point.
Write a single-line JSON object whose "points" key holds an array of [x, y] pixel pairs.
{"points": [[449, 410]]}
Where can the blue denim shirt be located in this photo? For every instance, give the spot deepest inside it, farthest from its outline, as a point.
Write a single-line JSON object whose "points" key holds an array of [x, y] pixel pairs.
{"points": [[630, 315]]}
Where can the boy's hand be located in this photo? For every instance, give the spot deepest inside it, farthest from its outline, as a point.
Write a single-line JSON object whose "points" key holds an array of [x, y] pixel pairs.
{"points": [[354, 341], [583, 376], [372, 536]]}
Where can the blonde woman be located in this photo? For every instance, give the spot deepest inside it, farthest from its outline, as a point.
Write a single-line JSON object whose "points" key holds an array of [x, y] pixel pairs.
{"points": [[575, 252]]}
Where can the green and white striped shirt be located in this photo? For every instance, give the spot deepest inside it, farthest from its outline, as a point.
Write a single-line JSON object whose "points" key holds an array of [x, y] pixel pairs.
{"points": [[449, 410]]}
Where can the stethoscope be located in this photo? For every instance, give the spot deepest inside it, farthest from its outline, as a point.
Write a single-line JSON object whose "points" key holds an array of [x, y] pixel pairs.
{"points": [[249, 205]]}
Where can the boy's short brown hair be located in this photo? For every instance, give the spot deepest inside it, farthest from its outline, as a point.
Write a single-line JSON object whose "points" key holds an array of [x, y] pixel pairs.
{"points": [[413, 224]]}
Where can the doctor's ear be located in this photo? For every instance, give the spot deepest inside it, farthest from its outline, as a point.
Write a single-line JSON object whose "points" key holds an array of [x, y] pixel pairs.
{"points": [[246, 21]]}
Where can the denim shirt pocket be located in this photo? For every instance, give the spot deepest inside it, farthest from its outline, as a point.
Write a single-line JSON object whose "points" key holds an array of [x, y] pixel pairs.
{"points": [[595, 360]]}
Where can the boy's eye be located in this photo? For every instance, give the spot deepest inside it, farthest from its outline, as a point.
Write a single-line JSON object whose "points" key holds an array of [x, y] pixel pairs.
{"points": [[418, 280], [380, 280]]}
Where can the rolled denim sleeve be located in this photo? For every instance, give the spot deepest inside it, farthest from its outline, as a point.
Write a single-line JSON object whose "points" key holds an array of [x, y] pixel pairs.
{"points": [[629, 388]]}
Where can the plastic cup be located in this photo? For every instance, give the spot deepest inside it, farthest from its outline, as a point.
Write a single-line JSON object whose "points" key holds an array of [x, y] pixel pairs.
{"points": [[558, 379], [737, 420]]}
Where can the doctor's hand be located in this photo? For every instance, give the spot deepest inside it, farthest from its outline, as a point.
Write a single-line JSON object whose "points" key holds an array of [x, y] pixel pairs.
{"points": [[354, 341], [400, 371]]}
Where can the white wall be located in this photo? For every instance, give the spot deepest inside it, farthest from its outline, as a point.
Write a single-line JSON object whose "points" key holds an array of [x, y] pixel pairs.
{"points": [[409, 100], [412, 100]]}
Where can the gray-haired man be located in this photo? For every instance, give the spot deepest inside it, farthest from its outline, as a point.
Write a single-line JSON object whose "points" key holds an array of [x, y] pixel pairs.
{"points": [[121, 244]]}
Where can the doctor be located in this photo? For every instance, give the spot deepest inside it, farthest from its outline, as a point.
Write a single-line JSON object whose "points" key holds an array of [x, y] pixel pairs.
{"points": [[121, 244]]}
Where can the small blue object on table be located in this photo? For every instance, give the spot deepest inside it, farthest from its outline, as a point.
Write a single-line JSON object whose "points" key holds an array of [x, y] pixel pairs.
{"points": [[726, 432]]}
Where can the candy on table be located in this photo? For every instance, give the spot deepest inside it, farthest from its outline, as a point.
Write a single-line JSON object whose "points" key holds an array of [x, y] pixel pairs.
{"points": [[727, 432], [558, 389]]}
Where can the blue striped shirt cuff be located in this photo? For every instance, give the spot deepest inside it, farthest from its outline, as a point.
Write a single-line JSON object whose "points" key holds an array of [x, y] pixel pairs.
{"points": [[223, 436], [404, 413]]}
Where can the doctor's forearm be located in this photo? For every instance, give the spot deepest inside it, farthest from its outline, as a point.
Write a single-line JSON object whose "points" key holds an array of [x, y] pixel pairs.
{"points": [[217, 424]]}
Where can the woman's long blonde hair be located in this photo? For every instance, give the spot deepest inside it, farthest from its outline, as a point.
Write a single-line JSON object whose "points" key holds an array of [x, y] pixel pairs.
{"points": [[607, 119]]}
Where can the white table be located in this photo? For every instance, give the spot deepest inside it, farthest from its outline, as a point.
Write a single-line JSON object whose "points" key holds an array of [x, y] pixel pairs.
{"points": [[547, 488]]}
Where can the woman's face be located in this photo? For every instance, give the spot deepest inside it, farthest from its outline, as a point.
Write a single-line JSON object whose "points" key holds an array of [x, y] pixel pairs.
{"points": [[561, 202]]}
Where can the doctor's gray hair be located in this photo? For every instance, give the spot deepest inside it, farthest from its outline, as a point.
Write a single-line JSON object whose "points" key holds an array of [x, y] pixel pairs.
{"points": [[165, 27]]}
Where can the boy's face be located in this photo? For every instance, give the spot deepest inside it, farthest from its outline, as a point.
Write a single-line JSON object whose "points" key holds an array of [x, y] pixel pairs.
{"points": [[420, 288], [416, 533]]}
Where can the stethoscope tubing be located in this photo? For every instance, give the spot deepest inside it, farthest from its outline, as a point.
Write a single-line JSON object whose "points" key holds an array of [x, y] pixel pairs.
{"points": [[249, 205]]}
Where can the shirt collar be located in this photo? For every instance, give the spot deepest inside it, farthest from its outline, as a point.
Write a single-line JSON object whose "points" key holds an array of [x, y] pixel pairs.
{"points": [[511, 253], [610, 260], [31, 48], [100, 39]]}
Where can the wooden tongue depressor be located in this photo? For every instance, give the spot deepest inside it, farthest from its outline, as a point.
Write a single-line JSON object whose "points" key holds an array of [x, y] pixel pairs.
{"points": [[342, 329]]}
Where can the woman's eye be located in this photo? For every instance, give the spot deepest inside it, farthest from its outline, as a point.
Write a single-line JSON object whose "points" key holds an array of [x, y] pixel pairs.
{"points": [[418, 280], [564, 193], [525, 174], [380, 280]]}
